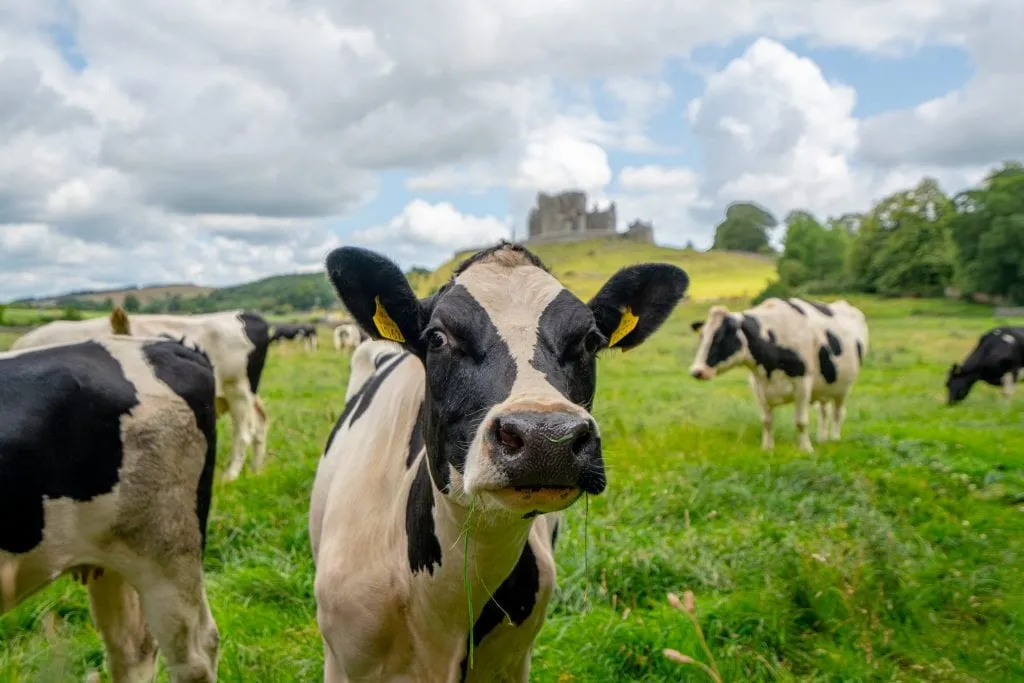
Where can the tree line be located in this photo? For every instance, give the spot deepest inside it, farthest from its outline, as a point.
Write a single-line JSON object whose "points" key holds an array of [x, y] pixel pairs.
{"points": [[917, 242]]}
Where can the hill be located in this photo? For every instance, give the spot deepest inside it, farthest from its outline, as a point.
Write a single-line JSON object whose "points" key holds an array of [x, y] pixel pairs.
{"points": [[144, 294], [585, 266], [582, 266]]}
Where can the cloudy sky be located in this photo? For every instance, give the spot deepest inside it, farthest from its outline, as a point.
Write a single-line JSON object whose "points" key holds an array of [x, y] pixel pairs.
{"points": [[216, 142]]}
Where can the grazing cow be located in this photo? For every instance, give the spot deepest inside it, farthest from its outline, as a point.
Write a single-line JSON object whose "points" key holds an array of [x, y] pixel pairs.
{"points": [[107, 452], [462, 436], [797, 351], [998, 359], [304, 331], [236, 342], [348, 336]]}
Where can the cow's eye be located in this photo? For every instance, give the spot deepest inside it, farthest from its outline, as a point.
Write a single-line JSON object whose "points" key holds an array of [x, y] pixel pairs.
{"points": [[592, 342], [436, 339]]}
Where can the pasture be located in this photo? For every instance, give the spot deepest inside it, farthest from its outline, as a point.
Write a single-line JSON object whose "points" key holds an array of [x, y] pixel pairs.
{"points": [[895, 555]]}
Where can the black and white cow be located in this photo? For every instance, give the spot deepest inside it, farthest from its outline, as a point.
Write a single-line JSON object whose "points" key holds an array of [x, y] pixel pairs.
{"points": [[348, 336], [998, 359], [797, 351], [463, 437], [237, 343], [107, 452], [303, 331]]}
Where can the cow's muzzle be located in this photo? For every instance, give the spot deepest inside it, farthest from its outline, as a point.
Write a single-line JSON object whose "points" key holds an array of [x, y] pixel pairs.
{"points": [[548, 455], [702, 372]]}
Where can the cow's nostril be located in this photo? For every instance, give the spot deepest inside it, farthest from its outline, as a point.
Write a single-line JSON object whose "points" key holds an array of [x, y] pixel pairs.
{"points": [[583, 439], [508, 436]]}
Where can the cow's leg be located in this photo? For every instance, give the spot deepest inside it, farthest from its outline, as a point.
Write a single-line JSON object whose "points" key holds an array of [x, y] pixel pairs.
{"points": [[838, 417], [1009, 381], [180, 618], [823, 420], [260, 425], [118, 616], [801, 410], [767, 414], [240, 404]]}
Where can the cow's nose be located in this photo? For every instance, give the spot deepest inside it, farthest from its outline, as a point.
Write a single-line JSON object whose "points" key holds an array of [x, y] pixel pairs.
{"points": [[550, 450]]}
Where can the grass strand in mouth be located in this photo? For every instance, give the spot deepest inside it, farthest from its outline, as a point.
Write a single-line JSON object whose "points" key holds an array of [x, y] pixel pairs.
{"points": [[465, 579]]}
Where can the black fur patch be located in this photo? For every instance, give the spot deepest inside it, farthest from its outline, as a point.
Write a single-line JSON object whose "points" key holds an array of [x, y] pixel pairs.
{"points": [[60, 436], [771, 356], [860, 353], [771, 337], [560, 354], [189, 374], [424, 548], [828, 368], [383, 358], [724, 343], [834, 345], [258, 332], [795, 307], [822, 308], [361, 400], [554, 533], [416, 444], [516, 597]]}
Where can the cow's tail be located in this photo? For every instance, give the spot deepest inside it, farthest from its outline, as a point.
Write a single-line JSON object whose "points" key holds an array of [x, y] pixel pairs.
{"points": [[119, 321]]}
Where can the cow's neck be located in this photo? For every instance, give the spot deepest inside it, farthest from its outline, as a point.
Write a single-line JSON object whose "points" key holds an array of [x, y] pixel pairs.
{"points": [[479, 548]]}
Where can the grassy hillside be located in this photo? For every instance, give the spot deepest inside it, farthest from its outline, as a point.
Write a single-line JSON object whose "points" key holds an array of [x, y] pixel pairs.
{"points": [[896, 554], [585, 266], [143, 294]]}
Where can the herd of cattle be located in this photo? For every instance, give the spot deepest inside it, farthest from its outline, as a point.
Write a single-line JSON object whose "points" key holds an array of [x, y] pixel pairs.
{"points": [[466, 431]]}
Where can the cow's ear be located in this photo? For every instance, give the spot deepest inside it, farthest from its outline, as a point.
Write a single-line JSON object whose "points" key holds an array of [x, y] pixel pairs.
{"points": [[696, 325], [636, 301], [378, 295]]}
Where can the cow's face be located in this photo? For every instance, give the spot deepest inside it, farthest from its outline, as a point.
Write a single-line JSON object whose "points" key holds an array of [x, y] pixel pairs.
{"points": [[958, 384], [510, 358], [721, 346]]}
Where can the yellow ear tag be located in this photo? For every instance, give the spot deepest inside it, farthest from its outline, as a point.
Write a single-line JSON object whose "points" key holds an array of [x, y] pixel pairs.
{"points": [[385, 325], [627, 323]]}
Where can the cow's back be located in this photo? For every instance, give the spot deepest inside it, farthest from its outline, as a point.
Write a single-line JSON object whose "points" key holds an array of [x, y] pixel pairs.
{"points": [[63, 332]]}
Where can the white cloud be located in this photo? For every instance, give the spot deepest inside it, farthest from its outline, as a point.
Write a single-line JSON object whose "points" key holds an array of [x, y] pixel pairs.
{"points": [[974, 125], [427, 233], [217, 141]]}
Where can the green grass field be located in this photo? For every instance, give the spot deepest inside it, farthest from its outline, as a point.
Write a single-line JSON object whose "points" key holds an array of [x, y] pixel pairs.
{"points": [[894, 555]]}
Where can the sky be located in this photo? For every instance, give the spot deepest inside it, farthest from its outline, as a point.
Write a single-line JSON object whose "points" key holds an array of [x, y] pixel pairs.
{"points": [[219, 142]]}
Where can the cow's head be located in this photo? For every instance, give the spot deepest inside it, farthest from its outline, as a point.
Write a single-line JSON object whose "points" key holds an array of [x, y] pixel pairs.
{"points": [[722, 343], [510, 359], [958, 384]]}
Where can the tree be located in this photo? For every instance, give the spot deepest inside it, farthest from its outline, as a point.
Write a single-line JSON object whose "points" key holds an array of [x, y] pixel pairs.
{"points": [[131, 303], [905, 245], [745, 228], [812, 252], [988, 228]]}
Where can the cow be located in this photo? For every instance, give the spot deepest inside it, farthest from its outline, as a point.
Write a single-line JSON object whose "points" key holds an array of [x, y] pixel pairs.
{"points": [[467, 429], [107, 454], [304, 331], [797, 351], [348, 336], [997, 359], [237, 343]]}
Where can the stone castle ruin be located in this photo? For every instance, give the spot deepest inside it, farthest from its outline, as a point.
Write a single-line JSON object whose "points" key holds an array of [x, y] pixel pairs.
{"points": [[564, 218]]}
